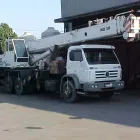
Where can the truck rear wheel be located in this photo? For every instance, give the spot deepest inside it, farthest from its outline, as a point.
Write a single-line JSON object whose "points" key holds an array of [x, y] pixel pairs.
{"points": [[9, 85], [19, 88], [69, 93]]}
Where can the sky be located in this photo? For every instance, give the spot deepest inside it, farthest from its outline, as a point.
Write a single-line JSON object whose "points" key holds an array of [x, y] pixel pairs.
{"points": [[33, 16]]}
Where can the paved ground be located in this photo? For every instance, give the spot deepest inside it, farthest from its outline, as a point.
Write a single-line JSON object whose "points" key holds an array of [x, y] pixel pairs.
{"points": [[41, 117]]}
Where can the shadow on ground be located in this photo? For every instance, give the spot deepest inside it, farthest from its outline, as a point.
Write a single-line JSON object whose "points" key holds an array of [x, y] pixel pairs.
{"points": [[122, 109]]}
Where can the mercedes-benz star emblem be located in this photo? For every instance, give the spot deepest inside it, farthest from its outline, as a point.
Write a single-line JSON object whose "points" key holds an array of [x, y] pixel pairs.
{"points": [[107, 74]]}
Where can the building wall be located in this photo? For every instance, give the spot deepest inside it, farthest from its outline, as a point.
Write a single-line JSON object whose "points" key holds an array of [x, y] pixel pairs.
{"points": [[77, 7]]}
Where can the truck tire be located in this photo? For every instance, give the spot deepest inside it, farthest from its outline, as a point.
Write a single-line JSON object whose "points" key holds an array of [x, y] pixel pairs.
{"points": [[106, 95], [9, 85], [69, 93], [19, 88]]}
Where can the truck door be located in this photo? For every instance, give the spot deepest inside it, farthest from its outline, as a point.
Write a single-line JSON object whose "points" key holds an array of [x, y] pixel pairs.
{"points": [[74, 63]]}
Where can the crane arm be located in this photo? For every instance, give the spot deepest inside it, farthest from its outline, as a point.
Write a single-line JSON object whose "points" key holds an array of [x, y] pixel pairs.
{"points": [[120, 25]]}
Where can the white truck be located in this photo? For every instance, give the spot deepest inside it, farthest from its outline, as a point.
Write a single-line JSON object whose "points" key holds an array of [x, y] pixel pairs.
{"points": [[67, 63]]}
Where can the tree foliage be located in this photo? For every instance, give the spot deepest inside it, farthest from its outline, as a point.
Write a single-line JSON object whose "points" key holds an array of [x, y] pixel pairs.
{"points": [[5, 32]]}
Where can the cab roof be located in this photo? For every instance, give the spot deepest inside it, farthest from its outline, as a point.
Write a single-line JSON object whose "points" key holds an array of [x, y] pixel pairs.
{"points": [[93, 46]]}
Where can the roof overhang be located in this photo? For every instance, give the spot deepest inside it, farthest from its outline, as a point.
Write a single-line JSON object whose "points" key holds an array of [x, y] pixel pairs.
{"points": [[130, 6]]}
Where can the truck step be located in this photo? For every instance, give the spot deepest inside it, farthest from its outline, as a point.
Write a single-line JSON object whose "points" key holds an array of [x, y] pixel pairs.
{"points": [[82, 93]]}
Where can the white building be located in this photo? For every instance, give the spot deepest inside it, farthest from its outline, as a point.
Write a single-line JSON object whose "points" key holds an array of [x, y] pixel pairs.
{"points": [[28, 37]]}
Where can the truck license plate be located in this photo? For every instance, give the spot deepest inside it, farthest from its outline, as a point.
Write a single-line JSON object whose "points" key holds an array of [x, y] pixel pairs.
{"points": [[108, 85]]}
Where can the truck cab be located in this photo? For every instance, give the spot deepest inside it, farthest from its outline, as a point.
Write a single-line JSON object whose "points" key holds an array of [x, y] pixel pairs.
{"points": [[92, 69], [16, 54]]}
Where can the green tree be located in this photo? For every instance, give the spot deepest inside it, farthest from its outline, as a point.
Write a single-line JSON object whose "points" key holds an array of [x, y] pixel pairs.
{"points": [[5, 32]]}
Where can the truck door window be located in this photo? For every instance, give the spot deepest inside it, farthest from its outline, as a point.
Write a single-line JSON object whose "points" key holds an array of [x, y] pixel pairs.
{"points": [[76, 55]]}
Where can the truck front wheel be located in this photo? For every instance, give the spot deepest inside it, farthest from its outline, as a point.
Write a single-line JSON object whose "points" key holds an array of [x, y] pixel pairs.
{"points": [[69, 93]]}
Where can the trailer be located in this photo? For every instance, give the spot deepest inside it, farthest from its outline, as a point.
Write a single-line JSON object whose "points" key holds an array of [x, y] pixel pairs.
{"points": [[67, 63]]}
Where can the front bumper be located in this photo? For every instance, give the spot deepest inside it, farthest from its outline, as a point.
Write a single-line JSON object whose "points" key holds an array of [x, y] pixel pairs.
{"points": [[103, 86]]}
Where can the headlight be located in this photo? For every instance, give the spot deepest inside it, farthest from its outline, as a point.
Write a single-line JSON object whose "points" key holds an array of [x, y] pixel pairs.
{"points": [[94, 86], [120, 84]]}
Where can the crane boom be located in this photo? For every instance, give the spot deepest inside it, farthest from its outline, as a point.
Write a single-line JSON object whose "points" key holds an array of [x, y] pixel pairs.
{"points": [[120, 25]]}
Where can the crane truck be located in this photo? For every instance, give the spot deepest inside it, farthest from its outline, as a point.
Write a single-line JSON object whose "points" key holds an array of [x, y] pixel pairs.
{"points": [[67, 63]]}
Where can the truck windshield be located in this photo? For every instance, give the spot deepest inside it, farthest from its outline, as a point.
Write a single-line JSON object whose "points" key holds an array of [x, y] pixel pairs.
{"points": [[100, 56], [20, 48]]}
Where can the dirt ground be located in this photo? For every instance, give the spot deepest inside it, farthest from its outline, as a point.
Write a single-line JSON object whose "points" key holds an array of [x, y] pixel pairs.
{"points": [[46, 117]]}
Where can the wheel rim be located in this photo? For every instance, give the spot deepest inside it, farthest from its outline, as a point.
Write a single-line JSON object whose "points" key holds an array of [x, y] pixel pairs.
{"points": [[18, 86], [67, 92]]}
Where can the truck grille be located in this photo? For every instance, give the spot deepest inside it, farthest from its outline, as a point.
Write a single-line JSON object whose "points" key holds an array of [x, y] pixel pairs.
{"points": [[106, 74]]}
